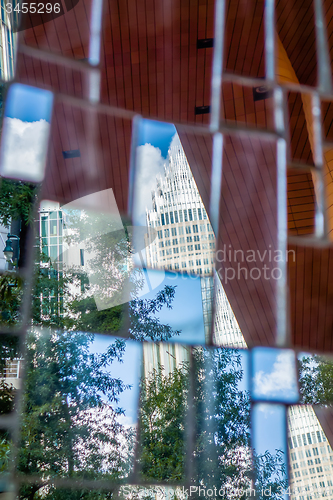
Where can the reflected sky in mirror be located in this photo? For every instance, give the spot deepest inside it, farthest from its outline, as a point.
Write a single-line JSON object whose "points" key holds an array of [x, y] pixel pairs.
{"points": [[167, 202], [26, 128], [174, 302], [274, 375], [269, 445], [80, 406]]}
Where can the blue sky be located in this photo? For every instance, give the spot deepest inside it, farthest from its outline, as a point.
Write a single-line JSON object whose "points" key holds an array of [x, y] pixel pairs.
{"points": [[158, 134], [274, 374], [129, 371], [269, 427], [26, 129], [186, 313], [28, 104]]}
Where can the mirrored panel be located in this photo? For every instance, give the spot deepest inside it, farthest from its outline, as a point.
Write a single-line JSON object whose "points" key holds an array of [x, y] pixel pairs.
{"points": [[6, 460], [315, 378], [51, 75], [79, 416], [274, 375], [226, 330], [310, 452], [244, 51], [89, 152], [17, 200], [221, 456], [248, 260], [82, 265], [163, 411], [11, 300], [10, 372], [167, 202], [56, 28], [9, 40], [248, 106], [268, 422], [52, 492], [25, 135], [170, 306], [301, 186]]}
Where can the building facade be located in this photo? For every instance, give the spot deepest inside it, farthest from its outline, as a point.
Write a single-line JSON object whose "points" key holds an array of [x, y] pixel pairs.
{"points": [[310, 455], [8, 40], [180, 237]]}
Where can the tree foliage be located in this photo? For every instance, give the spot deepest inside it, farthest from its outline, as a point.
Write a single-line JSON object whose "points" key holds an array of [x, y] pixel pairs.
{"points": [[221, 455], [316, 380], [16, 201], [163, 411], [70, 426]]}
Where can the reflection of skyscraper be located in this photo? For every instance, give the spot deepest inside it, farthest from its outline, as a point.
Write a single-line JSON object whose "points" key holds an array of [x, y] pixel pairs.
{"points": [[7, 41], [185, 242], [311, 456]]}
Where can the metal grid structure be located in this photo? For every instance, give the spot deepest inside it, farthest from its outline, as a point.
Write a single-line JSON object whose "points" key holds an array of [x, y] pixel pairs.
{"points": [[77, 76]]}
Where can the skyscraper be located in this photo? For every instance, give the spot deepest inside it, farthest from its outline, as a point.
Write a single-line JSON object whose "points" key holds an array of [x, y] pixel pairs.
{"points": [[185, 242], [311, 456]]}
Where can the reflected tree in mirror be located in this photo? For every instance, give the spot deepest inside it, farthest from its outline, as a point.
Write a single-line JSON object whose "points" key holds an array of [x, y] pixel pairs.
{"points": [[315, 379], [70, 425], [222, 453]]}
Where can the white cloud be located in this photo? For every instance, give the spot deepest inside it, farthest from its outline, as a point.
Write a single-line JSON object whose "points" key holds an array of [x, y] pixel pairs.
{"points": [[149, 163], [24, 149], [282, 378]]}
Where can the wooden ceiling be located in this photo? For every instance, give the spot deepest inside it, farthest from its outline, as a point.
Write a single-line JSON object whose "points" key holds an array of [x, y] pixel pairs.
{"points": [[151, 65]]}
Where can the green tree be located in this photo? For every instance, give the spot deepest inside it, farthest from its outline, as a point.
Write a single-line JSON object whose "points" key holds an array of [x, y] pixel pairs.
{"points": [[221, 455], [70, 426], [316, 380], [163, 411]]}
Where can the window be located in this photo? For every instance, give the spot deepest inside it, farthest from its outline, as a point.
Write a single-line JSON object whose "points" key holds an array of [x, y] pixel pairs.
{"points": [[196, 238], [189, 239], [183, 264], [180, 230], [167, 243], [197, 246], [160, 235], [195, 228], [190, 248], [171, 218], [198, 262], [188, 229], [185, 216], [182, 240], [181, 216], [190, 214], [166, 233], [176, 216], [166, 218], [175, 250], [199, 214], [173, 231], [315, 451], [161, 244]]}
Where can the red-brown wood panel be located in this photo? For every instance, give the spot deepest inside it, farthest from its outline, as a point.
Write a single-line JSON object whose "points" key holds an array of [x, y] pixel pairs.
{"points": [[104, 143]]}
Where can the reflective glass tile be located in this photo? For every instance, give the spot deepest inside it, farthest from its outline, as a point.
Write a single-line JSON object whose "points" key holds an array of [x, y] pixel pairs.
{"points": [[274, 375], [25, 136], [80, 406], [168, 306]]}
